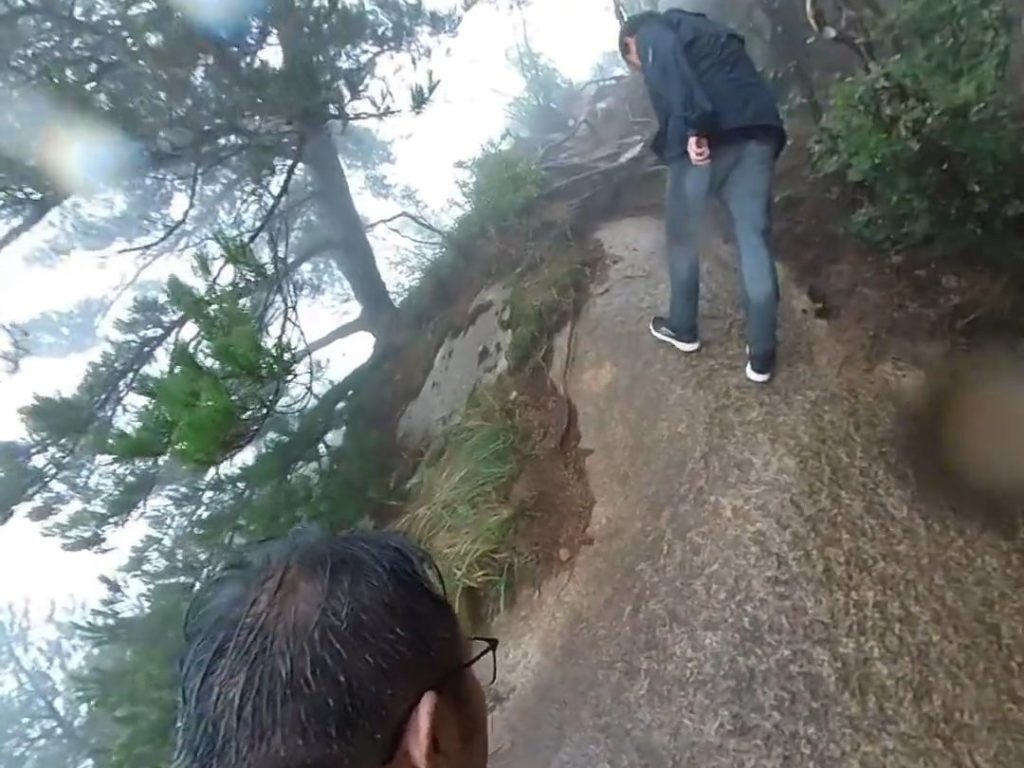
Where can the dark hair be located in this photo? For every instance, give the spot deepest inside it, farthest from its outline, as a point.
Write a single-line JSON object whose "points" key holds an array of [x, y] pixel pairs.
{"points": [[632, 25], [311, 651]]}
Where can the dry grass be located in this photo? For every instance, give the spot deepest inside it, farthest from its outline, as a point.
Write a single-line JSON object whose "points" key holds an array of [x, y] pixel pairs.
{"points": [[460, 511]]}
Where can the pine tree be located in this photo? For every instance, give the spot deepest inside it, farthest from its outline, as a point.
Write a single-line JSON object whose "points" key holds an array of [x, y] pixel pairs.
{"points": [[241, 114]]}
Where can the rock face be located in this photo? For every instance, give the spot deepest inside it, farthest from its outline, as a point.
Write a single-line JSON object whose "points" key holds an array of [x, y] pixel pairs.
{"points": [[475, 356], [765, 587]]}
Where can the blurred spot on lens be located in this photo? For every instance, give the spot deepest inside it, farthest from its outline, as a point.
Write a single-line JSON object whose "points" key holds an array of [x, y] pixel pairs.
{"points": [[227, 19], [964, 435], [80, 153]]}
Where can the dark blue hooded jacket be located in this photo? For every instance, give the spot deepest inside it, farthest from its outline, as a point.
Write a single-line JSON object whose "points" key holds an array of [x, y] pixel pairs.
{"points": [[702, 83]]}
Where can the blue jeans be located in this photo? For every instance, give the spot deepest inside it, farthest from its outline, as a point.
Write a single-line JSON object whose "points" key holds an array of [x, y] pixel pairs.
{"points": [[740, 174]]}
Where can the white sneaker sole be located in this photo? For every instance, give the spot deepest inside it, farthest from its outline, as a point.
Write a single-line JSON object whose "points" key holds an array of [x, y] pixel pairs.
{"points": [[757, 378], [682, 346], [754, 376]]}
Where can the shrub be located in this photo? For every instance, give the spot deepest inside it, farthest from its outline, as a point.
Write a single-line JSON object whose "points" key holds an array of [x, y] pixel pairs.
{"points": [[497, 194], [502, 185], [928, 139]]}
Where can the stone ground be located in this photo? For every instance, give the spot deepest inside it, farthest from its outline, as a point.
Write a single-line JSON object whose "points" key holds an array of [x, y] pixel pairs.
{"points": [[764, 588]]}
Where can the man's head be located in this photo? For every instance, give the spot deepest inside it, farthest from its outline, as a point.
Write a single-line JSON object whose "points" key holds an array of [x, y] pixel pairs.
{"points": [[627, 36], [319, 651]]}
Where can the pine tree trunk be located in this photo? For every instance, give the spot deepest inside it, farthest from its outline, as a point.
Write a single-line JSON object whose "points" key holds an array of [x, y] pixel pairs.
{"points": [[354, 254], [355, 257]]}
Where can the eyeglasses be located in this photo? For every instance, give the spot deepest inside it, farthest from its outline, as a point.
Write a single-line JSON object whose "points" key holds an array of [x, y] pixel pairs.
{"points": [[486, 674], [482, 647]]}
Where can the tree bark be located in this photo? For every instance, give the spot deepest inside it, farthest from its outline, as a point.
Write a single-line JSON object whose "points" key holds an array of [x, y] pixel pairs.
{"points": [[354, 256]]}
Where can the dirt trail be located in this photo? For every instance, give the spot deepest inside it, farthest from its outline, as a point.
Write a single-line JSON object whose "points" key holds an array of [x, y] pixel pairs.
{"points": [[764, 589]]}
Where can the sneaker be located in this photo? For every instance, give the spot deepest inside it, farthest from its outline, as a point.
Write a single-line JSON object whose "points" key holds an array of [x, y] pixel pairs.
{"points": [[660, 330], [760, 368]]}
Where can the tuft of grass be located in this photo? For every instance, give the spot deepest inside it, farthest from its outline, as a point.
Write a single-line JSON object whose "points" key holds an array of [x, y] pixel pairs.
{"points": [[460, 510], [540, 302]]}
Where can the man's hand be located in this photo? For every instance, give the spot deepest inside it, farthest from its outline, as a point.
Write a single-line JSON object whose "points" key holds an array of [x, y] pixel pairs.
{"points": [[700, 152]]}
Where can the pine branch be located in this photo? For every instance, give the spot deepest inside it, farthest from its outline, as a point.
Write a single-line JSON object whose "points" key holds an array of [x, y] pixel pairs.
{"points": [[279, 197], [418, 221], [339, 333], [169, 233]]}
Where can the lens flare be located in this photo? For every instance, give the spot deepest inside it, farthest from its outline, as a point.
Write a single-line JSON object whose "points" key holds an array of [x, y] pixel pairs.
{"points": [[227, 19], [84, 156], [79, 153]]}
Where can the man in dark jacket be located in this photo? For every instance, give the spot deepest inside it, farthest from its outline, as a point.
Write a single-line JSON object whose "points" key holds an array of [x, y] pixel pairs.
{"points": [[720, 133]]}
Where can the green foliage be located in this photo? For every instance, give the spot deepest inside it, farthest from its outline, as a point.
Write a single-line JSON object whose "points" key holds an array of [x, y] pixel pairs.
{"points": [[502, 185], [59, 418], [460, 510], [497, 195], [195, 375], [302, 474], [928, 137], [221, 383], [541, 301]]}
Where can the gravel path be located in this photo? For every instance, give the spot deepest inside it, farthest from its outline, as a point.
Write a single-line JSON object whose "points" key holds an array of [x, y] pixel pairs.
{"points": [[764, 589]]}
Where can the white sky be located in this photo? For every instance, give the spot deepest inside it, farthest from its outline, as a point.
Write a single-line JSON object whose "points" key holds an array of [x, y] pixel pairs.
{"points": [[477, 83]]}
